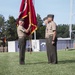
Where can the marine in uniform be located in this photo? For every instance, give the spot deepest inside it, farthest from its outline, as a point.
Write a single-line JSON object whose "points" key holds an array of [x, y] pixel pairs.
{"points": [[21, 31], [51, 40]]}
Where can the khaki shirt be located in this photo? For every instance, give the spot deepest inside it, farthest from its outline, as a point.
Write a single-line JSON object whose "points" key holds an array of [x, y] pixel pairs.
{"points": [[49, 29], [21, 31]]}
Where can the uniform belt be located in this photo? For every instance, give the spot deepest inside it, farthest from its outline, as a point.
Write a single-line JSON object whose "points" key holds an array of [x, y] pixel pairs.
{"points": [[51, 34], [21, 36]]}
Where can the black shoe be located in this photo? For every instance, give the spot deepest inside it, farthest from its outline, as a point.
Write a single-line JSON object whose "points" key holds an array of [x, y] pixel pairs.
{"points": [[49, 62], [54, 63], [22, 63]]}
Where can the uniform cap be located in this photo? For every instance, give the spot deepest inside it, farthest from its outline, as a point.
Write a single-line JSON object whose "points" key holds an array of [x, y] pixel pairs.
{"points": [[21, 19], [44, 18], [50, 15]]}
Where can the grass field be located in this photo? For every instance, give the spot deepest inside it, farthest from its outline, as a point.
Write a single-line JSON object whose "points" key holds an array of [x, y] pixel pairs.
{"points": [[36, 64]]}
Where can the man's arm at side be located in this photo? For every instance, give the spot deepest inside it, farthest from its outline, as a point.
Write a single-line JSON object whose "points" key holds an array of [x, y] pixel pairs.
{"points": [[54, 35]]}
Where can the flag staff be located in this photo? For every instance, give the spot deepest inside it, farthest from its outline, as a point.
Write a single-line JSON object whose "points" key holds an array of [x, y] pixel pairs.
{"points": [[35, 30], [71, 15]]}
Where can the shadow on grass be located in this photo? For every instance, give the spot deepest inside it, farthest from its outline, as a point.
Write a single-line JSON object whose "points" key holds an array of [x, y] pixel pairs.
{"points": [[59, 62], [66, 61], [37, 63]]}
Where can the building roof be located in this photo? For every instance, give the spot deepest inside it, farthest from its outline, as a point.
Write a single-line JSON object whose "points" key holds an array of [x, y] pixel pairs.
{"points": [[64, 38]]}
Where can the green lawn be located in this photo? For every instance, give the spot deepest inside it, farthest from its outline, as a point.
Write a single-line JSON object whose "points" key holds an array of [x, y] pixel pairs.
{"points": [[36, 64]]}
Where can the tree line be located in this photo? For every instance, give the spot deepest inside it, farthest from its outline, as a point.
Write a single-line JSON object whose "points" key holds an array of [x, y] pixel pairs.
{"points": [[8, 29]]}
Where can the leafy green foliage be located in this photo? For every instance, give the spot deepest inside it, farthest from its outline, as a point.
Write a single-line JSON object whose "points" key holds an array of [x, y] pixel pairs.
{"points": [[39, 20], [1, 20], [63, 31], [41, 32], [9, 29]]}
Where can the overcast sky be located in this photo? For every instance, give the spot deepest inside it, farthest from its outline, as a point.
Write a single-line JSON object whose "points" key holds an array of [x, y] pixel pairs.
{"points": [[60, 8]]}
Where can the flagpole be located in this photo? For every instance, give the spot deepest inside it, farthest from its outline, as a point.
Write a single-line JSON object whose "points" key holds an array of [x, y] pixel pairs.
{"points": [[30, 24], [35, 30], [71, 13]]}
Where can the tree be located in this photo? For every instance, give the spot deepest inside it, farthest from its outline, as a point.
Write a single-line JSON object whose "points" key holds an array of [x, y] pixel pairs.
{"points": [[2, 23], [11, 29], [63, 31], [41, 32], [39, 20], [73, 26], [2, 20]]}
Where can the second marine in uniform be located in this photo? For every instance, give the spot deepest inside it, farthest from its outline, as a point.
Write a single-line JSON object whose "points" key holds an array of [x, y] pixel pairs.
{"points": [[51, 39]]}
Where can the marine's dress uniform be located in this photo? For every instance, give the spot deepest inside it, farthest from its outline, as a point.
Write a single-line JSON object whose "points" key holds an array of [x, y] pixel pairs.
{"points": [[51, 49], [22, 42]]}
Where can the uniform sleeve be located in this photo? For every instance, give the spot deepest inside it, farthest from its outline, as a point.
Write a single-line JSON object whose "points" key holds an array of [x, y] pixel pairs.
{"points": [[23, 29], [45, 32], [53, 26]]}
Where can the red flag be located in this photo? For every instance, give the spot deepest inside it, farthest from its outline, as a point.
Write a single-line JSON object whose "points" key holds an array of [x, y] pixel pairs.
{"points": [[27, 12]]}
